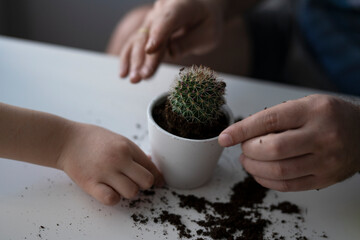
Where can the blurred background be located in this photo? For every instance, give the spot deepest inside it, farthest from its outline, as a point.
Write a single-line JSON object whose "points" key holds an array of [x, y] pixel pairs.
{"points": [[88, 24], [85, 24]]}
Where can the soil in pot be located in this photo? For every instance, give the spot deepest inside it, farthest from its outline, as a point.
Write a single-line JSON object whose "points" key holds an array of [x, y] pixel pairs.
{"points": [[179, 126]]}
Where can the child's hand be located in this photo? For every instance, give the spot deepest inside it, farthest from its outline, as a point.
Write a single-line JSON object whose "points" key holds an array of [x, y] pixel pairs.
{"points": [[106, 165]]}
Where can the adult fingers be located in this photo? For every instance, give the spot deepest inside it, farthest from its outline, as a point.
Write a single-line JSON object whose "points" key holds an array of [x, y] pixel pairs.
{"points": [[197, 41], [293, 185], [103, 193], [151, 63], [125, 60], [289, 115], [138, 174], [170, 18], [276, 146], [126, 27], [138, 55], [285, 169]]}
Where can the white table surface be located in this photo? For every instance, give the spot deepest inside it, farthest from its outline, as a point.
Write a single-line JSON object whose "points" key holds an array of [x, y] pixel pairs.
{"points": [[83, 86]]}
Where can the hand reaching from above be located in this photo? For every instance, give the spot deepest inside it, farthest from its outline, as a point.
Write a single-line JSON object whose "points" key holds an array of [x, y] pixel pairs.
{"points": [[309, 143], [106, 165], [181, 27]]}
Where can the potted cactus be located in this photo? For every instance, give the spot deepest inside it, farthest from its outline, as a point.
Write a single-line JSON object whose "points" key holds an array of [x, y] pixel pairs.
{"points": [[184, 125]]}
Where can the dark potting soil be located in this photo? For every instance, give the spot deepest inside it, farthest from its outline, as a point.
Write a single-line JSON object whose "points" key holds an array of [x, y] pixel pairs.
{"points": [[175, 220], [239, 218], [286, 207], [140, 218], [179, 126]]}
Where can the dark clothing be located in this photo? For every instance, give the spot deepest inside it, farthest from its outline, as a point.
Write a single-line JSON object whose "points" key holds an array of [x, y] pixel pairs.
{"points": [[331, 29]]}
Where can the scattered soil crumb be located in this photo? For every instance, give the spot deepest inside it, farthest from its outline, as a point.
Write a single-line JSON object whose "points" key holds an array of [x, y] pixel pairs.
{"points": [[239, 218]]}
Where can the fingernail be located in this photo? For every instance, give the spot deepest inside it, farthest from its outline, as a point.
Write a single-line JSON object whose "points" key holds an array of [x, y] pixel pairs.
{"points": [[150, 45], [159, 182], [225, 140], [123, 69], [122, 72], [145, 72], [133, 76]]}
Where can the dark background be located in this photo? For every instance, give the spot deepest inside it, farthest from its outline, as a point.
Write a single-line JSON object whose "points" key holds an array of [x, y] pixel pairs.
{"points": [[85, 24]]}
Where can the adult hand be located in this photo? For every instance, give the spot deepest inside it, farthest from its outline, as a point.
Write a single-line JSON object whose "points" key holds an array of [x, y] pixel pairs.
{"points": [[182, 26], [126, 27], [309, 143], [106, 165]]}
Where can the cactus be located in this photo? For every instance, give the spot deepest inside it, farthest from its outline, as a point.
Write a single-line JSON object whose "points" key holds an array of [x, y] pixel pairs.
{"points": [[197, 95]]}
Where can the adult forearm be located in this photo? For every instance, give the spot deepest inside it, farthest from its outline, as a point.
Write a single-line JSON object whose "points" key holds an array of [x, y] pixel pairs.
{"points": [[31, 136]]}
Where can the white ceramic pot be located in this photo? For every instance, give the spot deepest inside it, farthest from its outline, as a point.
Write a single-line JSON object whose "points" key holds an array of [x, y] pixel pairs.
{"points": [[185, 163]]}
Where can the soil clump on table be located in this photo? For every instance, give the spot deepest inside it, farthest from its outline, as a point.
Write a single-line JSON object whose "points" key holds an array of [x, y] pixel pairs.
{"points": [[239, 218]]}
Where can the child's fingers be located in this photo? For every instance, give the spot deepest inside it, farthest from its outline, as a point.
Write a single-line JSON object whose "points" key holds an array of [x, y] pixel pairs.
{"points": [[123, 185], [140, 175], [103, 193], [140, 157], [159, 181]]}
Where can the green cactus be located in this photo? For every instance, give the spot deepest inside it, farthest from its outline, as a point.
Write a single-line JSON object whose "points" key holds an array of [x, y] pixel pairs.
{"points": [[197, 95]]}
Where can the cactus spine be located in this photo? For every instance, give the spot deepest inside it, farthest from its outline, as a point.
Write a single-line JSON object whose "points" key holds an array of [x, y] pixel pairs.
{"points": [[197, 95]]}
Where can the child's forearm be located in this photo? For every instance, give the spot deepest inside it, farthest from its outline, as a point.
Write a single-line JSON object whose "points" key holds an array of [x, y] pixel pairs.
{"points": [[32, 136]]}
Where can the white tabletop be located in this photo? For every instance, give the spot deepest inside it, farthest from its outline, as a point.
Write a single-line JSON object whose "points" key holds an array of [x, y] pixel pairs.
{"points": [[42, 203]]}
